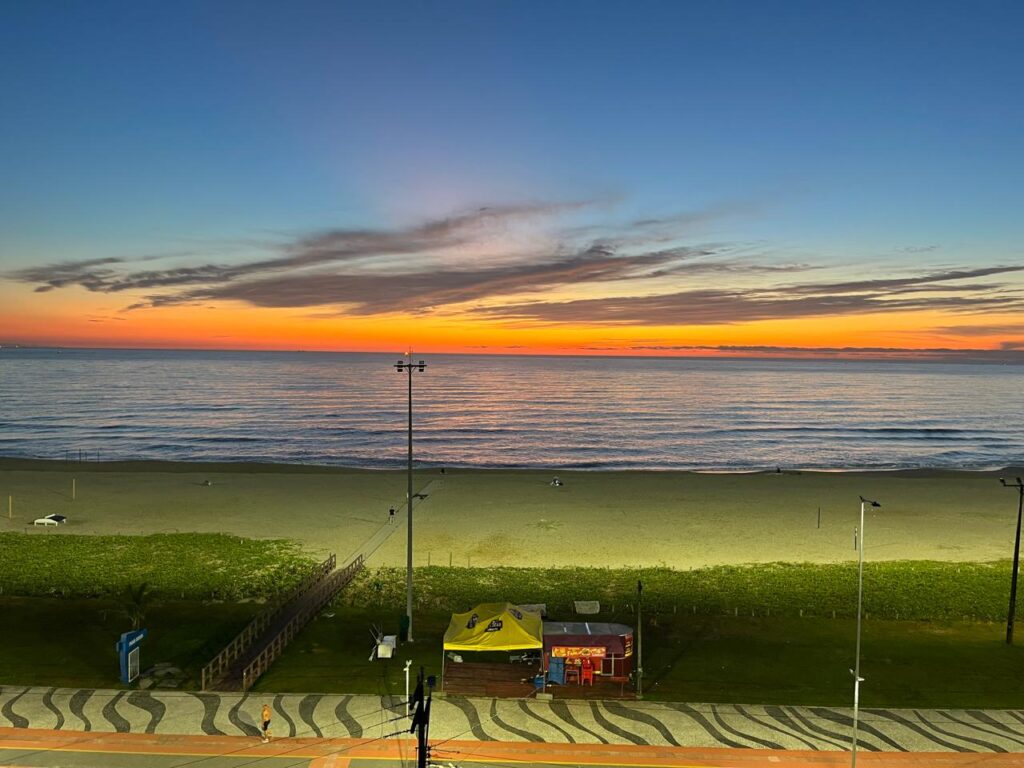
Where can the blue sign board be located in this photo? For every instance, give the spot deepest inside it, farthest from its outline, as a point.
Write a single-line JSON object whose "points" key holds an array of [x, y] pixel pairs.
{"points": [[128, 653]]}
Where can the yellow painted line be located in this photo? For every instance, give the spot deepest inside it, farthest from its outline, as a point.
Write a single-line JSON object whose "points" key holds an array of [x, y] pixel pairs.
{"points": [[300, 755], [176, 753], [502, 760]]}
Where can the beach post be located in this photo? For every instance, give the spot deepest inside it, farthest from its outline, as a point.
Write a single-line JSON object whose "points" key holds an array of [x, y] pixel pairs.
{"points": [[819, 517], [73, 489], [10, 507]]}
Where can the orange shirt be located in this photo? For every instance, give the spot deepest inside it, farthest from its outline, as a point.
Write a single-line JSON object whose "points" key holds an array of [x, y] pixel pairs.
{"points": [[266, 713]]}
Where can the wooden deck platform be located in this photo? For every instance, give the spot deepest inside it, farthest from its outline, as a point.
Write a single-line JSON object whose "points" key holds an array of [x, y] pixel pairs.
{"points": [[514, 681]]}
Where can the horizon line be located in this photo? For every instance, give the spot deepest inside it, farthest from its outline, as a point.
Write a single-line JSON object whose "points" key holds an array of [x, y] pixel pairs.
{"points": [[826, 354]]}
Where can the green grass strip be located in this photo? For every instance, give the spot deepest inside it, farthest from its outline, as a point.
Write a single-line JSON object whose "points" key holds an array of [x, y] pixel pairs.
{"points": [[175, 565], [220, 566], [912, 590]]}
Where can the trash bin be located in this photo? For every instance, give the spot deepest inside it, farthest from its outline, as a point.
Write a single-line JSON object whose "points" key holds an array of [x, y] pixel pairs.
{"points": [[403, 628]]}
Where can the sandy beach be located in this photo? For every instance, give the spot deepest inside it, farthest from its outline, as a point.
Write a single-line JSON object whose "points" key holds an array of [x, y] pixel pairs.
{"points": [[492, 517]]}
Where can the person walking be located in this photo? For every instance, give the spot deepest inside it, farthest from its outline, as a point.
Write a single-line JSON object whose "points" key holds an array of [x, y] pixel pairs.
{"points": [[391, 515], [265, 717]]}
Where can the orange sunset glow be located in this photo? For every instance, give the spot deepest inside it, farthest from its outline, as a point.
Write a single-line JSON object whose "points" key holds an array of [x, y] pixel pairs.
{"points": [[82, 319]]}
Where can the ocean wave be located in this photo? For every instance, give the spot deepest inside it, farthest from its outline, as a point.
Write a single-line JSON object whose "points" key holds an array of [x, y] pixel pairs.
{"points": [[350, 410]]}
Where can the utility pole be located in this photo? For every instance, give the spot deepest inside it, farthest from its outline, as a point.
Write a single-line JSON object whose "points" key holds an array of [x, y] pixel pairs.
{"points": [[1011, 615], [409, 366], [421, 722]]}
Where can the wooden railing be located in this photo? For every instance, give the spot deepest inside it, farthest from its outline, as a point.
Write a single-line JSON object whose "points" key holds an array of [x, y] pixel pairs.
{"points": [[316, 574], [222, 661], [317, 598]]}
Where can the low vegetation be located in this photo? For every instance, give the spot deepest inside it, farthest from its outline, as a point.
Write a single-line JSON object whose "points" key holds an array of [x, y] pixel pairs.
{"points": [[907, 590], [190, 566], [757, 634]]}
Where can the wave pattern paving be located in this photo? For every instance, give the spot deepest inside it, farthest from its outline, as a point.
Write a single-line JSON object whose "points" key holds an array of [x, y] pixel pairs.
{"points": [[652, 723]]}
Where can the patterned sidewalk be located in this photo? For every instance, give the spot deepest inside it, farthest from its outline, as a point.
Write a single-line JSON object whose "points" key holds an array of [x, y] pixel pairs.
{"points": [[527, 720]]}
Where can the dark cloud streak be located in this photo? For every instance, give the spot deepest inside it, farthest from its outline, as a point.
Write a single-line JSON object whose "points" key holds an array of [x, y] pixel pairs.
{"points": [[723, 307], [369, 294], [367, 272], [323, 249]]}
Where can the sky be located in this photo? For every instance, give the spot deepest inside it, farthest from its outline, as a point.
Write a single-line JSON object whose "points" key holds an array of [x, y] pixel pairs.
{"points": [[667, 178]]}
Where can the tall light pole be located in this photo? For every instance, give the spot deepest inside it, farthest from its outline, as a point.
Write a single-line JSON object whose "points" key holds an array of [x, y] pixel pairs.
{"points": [[409, 366], [857, 679], [1019, 485]]}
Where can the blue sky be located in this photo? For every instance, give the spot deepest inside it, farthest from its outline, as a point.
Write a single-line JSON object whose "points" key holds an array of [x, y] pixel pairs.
{"points": [[860, 133]]}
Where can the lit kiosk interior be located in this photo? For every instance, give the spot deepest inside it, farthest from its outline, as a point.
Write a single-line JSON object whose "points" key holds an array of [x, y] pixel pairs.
{"points": [[609, 648]]}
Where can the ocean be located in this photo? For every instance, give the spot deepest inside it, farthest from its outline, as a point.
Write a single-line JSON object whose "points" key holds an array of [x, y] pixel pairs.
{"points": [[484, 411]]}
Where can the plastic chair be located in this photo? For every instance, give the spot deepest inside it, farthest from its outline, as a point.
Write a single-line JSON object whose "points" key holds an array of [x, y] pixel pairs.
{"points": [[587, 673]]}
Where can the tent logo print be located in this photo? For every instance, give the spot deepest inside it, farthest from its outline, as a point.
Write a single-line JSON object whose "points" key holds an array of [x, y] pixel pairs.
{"points": [[494, 626]]}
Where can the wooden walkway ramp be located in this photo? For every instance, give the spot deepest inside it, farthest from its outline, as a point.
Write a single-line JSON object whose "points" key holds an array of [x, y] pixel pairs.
{"points": [[250, 654]]}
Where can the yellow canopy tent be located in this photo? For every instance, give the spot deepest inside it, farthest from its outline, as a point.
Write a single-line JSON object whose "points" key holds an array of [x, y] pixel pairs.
{"points": [[494, 627]]}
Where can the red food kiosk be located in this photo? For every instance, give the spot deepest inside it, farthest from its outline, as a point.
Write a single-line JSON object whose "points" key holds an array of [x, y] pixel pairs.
{"points": [[608, 646]]}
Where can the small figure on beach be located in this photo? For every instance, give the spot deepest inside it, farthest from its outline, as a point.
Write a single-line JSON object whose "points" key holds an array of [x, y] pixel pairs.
{"points": [[265, 717], [207, 483], [391, 516], [557, 483]]}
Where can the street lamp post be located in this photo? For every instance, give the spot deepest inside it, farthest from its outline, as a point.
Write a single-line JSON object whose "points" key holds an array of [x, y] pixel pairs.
{"points": [[408, 701], [639, 639], [409, 366], [1019, 485], [857, 679]]}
